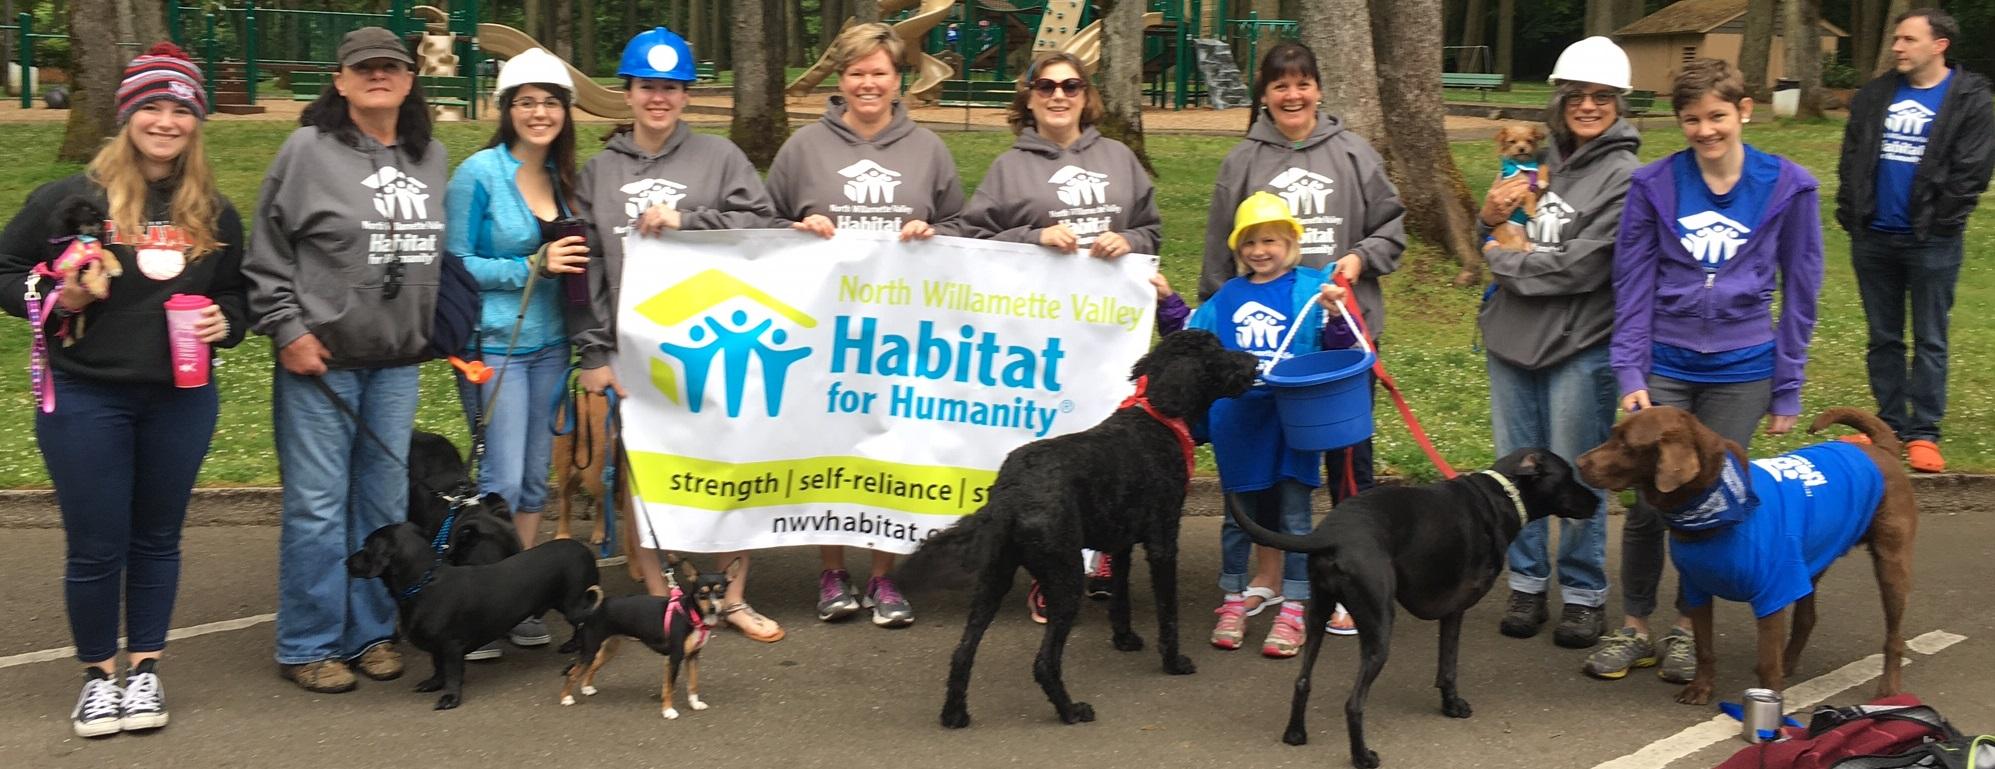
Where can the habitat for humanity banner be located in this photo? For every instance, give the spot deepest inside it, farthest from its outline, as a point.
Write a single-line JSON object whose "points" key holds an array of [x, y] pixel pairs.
{"points": [[786, 389]]}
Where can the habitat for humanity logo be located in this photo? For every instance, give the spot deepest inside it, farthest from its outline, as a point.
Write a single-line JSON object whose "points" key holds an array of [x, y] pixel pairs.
{"points": [[1907, 117], [1711, 238], [1079, 186], [731, 339], [870, 182], [1306, 192], [395, 191]]}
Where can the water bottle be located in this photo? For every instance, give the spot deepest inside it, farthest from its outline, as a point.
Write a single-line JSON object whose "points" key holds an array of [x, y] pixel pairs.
{"points": [[574, 285], [190, 354]]}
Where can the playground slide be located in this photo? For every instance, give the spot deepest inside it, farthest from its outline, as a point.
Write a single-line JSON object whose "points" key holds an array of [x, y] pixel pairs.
{"points": [[929, 71], [501, 40], [1086, 44]]}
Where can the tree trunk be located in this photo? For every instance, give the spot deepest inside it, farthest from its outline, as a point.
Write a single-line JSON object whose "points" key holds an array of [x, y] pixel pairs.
{"points": [[1506, 38], [1121, 75], [1475, 31], [7, 47], [533, 20], [628, 28], [1408, 50], [1757, 48], [585, 38], [1865, 16], [793, 37], [760, 125], [1885, 29], [1340, 32], [1804, 54], [148, 22], [564, 30], [695, 30], [831, 16], [93, 78], [864, 10]]}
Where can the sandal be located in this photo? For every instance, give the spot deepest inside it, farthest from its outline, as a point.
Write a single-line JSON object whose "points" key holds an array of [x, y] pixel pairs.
{"points": [[1264, 597], [1341, 622], [754, 625]]}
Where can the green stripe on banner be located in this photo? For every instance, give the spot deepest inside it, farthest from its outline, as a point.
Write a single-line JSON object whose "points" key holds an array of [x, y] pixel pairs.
{"points": [[713, 485]]}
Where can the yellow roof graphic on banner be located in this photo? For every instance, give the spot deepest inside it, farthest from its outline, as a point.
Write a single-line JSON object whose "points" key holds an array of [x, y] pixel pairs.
{"points": [[702, 292]]}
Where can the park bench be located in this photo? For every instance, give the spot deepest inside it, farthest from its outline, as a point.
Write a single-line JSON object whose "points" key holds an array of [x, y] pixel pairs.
{"points": [[1481, 82], [977, 93], [1640, 102]]}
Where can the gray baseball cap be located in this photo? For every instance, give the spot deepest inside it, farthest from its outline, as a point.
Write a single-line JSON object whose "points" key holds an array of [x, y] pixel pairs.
{"points": [[372, 43]]}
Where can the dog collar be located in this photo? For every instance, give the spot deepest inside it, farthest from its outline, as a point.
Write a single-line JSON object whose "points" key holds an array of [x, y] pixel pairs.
{"points": [[1724, 504], [1177, 425], [1516, 498]]}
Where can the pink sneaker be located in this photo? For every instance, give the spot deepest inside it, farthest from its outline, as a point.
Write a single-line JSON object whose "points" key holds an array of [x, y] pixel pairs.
{"points": [[1285, 638], [1232, 625]]}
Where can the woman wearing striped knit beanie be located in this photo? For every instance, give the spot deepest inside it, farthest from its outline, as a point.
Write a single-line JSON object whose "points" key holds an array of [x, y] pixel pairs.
{"points": [[123, 443]]}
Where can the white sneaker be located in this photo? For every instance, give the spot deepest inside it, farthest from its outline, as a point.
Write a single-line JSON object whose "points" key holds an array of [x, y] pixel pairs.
{"points": [[490, 651], [145, 700], [97, 708]]}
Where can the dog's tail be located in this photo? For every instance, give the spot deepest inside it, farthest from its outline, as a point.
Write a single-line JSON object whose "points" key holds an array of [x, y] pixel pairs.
{"points": [[948, 557], [1875, 429], [1315, 541]]}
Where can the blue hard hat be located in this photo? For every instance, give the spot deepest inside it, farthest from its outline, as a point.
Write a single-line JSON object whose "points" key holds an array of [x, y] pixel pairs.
{"points": [[658, 53]]}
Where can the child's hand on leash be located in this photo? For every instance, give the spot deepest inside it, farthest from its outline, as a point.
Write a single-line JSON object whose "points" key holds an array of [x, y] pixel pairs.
{"points": [[1163, 286]]}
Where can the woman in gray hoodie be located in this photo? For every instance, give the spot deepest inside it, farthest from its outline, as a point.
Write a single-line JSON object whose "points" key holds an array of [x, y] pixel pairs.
{"points": [[1064, 186], [866, 167], [1546, 325], [657, 174]]}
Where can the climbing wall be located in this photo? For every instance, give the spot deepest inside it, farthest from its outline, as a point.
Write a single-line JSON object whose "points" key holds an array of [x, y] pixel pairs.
{"points": [[1059, 24], [435, 57]]}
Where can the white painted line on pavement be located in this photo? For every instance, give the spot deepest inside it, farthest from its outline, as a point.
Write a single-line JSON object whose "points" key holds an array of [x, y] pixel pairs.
{"points": [[69, 652], [1798, 697]]}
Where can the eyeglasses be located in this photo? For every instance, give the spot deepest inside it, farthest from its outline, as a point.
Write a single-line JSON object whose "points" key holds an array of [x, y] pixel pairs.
{"points": [[392, 287], [1599, 98], [529, 104], [1072, 86]]}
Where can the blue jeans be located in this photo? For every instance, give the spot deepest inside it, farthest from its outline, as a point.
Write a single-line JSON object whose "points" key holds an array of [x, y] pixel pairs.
{"points": [[1567, 407], [1889, 266], [519, 443], [123, 458], [339, 486], [1283, 507]]}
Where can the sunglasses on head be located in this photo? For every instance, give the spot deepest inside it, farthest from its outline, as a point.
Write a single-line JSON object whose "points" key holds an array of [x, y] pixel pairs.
{"points": [[1072, 86]]}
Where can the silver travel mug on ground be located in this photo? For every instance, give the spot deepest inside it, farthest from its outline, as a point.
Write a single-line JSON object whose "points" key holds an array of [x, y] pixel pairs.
{"points": [[1759, 713]]}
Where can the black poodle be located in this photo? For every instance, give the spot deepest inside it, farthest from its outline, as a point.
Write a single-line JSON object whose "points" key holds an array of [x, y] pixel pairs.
{"points": [[1108, 488]]}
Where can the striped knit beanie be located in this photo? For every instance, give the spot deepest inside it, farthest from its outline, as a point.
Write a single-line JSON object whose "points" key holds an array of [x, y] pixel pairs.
{"points": [[162, 72]]}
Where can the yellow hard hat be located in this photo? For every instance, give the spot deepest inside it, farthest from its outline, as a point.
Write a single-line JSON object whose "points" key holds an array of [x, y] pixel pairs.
{"points": [[1261, 208]]}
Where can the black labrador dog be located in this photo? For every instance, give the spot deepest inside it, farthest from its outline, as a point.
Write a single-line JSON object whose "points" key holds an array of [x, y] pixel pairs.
{"points": [[483, 532], [448, 610], [1436, 549], [1108, 488]]}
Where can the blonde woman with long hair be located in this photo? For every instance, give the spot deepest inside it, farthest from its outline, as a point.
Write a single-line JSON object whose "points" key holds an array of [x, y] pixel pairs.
{"points": [[122, 440]]}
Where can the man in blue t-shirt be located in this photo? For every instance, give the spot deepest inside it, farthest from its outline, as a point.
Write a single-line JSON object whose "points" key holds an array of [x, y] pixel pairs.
{"points": [[1916, 157]]}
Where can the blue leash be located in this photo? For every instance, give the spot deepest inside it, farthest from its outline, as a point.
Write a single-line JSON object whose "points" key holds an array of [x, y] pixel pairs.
{"points": [[609, 475]]}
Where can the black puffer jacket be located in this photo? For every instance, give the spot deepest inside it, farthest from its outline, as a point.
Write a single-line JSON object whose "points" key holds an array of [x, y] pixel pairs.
{"points": [[1953, 173]]}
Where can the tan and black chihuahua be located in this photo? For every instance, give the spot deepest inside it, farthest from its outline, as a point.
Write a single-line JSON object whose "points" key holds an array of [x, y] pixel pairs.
{"points": [[676, 626]]}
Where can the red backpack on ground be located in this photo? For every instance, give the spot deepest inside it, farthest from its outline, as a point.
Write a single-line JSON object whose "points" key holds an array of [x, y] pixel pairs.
{"points": [[1888, 726]]}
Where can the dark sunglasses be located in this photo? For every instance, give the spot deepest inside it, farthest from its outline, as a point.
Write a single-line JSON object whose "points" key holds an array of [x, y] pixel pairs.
{"points": [[392, 287], [1599, 98], [1072, 86]]}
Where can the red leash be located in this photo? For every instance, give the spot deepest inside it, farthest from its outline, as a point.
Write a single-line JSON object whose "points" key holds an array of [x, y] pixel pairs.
{"points": [[1178, 429], [1398, 398]]}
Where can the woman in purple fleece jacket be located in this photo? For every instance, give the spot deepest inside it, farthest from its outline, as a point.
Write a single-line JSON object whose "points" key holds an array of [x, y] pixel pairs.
{"points": [[1707, 235]]}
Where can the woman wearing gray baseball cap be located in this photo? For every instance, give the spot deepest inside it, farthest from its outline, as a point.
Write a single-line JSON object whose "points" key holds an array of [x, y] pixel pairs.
{"points": [[343, 272]]}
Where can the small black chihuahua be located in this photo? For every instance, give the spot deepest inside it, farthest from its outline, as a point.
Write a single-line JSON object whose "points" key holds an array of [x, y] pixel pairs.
{"points": [[676, 626]]}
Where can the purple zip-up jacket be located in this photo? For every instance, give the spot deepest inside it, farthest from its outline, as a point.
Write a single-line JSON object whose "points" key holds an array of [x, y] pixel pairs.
{"points": [[1662, 294]]}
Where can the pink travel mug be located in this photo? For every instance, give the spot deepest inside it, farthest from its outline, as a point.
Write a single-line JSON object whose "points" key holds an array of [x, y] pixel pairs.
{"points": [[190, 354]]}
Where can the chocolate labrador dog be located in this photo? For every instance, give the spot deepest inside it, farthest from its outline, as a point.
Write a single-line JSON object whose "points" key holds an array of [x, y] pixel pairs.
{"points": [[1435, 549], [1764, 532]]}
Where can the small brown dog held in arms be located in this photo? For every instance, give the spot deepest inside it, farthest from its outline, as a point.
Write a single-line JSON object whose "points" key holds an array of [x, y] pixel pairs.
{"points": [[1732, 522], [1518, 147]]}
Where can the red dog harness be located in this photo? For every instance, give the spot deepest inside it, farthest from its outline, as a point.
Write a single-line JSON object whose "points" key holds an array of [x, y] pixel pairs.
{"points": [[676, 605], [1178, 429]]}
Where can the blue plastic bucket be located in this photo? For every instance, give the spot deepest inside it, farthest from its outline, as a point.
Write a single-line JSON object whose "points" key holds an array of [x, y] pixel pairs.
{"points": [[1324, 399]]}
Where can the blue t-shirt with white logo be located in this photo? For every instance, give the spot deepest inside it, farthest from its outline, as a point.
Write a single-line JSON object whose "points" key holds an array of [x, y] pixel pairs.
{"points": [[1714, 228], [1246, 433], [1908, 124]]}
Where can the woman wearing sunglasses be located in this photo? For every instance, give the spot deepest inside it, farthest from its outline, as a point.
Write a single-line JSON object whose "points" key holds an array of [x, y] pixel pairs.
{"points": [[343, 271], [1546, 322], [1064, 186], [865, 166]]}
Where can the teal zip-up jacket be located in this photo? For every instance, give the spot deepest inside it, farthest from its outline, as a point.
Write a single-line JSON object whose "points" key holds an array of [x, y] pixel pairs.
{"points": [[493, 231]]}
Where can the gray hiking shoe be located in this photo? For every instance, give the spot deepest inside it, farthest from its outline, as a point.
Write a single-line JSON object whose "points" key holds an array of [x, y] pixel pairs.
{"points": [[1679, 656], [1580, 627], [889, 608], [1620, 652], [1525, 615], [835, 598], [530, 632]]}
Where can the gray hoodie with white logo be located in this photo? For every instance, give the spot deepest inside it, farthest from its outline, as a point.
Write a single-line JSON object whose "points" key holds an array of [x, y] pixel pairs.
{"points": [[1335, 183], [903, 173], [1557, 299], [334, 225], [1094, 186], [706, 178]]}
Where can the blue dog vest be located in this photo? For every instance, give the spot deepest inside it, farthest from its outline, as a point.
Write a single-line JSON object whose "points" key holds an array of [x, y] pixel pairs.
{"points": [[1812, 506]]}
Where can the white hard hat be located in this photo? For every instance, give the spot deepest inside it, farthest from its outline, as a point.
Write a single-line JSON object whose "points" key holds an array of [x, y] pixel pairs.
{"points": [[1593, 60], [534, 65]]}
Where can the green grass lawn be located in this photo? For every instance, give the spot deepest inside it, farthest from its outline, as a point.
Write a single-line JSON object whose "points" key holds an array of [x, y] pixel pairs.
{"points": [[1431, 344]]}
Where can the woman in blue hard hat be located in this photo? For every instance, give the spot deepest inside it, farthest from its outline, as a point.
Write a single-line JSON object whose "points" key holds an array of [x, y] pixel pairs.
{"points": [[503, 207], [656, 174]]}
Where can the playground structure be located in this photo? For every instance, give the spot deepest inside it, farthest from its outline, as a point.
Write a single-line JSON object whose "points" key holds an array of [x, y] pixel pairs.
{"points": [[929, 71]]}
